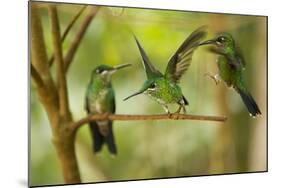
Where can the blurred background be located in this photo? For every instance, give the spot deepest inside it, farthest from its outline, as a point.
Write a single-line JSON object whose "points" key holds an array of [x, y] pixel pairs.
{"points": [[156, 149]]}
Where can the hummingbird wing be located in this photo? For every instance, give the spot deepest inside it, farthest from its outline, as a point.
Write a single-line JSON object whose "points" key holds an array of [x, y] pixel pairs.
{"points": [[86, 103], [151, 71], [240, 57], [180, 61], [237, 62]]}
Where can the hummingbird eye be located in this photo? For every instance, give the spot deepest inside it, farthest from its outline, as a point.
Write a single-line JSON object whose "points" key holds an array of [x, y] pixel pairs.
{"points": [[221, 39], [153, 85], [98, 71]]}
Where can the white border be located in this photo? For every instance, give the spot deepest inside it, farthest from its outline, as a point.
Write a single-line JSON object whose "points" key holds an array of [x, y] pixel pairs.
{"points": [[14, 103]]}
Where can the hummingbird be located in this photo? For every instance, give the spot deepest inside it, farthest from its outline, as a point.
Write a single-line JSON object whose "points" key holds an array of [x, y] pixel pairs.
{"points": [[164, 88], [231, 65], [100, 99]]}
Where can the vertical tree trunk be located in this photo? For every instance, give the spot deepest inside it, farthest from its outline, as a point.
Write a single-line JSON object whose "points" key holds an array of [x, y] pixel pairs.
{"points": [[64, 144], [63, 136]]}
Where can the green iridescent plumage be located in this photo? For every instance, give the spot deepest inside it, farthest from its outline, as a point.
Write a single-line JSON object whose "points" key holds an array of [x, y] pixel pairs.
{"points": [[231, 65], [163, 87], [100, 99]]}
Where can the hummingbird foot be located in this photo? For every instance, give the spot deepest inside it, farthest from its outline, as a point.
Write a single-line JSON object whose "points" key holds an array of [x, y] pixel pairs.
{"points": [[169, 115], [167, 110], [179, 110], [177, 113], [215, 77], [184, 109]]}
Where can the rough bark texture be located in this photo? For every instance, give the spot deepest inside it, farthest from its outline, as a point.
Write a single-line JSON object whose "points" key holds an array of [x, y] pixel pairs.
{"points": [[66, 153], [63, 138]]}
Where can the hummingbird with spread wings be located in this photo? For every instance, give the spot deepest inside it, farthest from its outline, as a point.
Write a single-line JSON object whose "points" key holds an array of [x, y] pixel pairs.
{"points": [[100, 99], [231, 65], [164, 88]]}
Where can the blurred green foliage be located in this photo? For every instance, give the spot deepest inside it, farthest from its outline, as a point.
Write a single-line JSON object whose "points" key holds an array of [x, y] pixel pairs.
{"points": [[154, 149]]}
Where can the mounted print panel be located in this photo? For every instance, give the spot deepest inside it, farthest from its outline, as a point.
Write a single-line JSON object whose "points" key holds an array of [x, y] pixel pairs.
{"points": [[121, 93]]}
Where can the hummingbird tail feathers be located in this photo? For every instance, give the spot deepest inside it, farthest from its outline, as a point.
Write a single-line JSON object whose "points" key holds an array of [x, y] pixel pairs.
{"points": [[110, 141], [185, 101], [249, 102], [99, 139]]}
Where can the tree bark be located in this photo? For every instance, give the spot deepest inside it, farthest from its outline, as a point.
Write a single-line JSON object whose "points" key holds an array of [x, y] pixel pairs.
{"points": [[64, 145], [63, 137]]}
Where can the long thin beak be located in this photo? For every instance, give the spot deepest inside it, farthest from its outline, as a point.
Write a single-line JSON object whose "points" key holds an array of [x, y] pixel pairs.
{"points": [[208, 42], [121, 66], [137, 93]]}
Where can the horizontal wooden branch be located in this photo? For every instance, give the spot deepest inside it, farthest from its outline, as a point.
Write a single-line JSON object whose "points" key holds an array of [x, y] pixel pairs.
{"points": [[126, 117]]}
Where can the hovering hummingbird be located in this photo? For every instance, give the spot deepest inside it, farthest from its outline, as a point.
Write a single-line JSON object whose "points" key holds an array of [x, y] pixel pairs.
{"points": [[100, 99], [164, 88], [231, 65]]}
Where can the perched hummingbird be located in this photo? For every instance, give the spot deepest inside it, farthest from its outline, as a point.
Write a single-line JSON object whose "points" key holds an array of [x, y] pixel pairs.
{"points": [[164, 88], [100, 99], [231, 65]]}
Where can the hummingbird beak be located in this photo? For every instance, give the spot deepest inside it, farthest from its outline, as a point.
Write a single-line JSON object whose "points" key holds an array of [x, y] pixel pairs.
{"points": [[121, 66], [114, 69], [137, 93], [212, 41]]}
